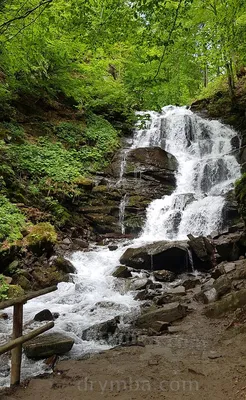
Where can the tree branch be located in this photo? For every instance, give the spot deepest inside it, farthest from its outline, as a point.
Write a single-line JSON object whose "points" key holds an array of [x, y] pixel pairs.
{"points": [[168, 39], [25, 15], [26, 26]]}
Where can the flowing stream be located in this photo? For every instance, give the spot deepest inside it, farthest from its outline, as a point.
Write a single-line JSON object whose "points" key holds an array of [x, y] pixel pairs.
{"points": [[207, 170]]}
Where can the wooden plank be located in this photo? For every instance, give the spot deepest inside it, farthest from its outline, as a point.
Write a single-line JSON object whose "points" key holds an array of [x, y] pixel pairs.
{"points": [[17, 351], [19, 341], [24, 299]]}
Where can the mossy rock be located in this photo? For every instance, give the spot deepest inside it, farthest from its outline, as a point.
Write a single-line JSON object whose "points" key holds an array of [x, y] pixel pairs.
{"points": [[134, 223], [100, 189], [47, 276], [84, 182], [12, 268], [137, 201], [22, 281], [41, 237], [15, 291]]}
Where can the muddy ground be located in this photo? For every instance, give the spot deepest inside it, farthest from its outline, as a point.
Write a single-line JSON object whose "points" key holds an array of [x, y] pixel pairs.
{"points": [[205, 359]]}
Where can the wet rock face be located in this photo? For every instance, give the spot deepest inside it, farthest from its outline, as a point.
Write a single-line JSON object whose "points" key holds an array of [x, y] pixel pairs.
{"points": [[171, 256], [147, 160], [168, 313], [103, 331], [202, 252], [48, 345]]}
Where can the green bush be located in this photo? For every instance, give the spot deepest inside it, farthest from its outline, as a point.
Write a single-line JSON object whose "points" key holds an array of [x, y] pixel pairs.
{"points": [[11, 221], [70, 133], [46, 159], [4, 288]]}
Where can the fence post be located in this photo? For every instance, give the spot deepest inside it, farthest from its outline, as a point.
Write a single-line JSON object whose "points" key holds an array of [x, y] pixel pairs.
{"points": [[16, 353]]}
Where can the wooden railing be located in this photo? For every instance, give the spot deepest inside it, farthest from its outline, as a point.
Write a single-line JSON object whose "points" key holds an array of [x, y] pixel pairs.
{"points": [[15, 345]]}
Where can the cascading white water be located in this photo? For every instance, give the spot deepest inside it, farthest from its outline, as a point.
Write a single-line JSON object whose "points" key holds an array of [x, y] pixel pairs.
{"points": [[122, 209], [206, 171], [93, 296]]}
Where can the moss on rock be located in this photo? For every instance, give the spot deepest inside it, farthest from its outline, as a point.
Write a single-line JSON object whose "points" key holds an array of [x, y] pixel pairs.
{"points": [[15, 291], [41, 236]]}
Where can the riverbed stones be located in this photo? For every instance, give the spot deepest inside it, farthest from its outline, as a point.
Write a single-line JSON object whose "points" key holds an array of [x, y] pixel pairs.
{"points": [[179, 290], [164, 276], [62, 264], [167, 313], [191, 283], [229, 303], [44, 315], [171, 256], [47, 345], [122, 272], [228, 246], [202, 252], [102, 331]]}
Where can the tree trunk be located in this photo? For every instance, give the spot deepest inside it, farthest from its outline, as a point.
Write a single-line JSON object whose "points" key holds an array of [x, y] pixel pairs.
{"points": [[230, 78], [206, 75]]}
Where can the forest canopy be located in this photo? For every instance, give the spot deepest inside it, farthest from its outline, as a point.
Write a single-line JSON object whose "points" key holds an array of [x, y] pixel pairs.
{"points": [[105, 54]]}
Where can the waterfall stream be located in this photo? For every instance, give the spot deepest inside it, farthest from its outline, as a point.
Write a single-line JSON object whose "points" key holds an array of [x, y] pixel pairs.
{"points": [[207, 170]]}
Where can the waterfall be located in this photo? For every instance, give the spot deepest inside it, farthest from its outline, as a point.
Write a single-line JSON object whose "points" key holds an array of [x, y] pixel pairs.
{"points": [[122, 209], [207, 170], [122, 166]]}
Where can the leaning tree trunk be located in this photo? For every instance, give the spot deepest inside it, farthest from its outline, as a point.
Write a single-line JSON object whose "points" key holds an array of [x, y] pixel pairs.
{"points": [[230, 78]]}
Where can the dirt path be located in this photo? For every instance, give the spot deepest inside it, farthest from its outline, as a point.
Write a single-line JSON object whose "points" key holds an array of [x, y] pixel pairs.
{"points": [[203, 361]]}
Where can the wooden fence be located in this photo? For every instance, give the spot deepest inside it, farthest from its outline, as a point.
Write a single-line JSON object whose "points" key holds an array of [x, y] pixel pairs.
{"points": [[15, 345]]}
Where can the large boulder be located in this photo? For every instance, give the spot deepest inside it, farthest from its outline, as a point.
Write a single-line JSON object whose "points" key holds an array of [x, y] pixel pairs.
{"points": [[168, 313], [202, 252], [122, 272], [61, 263], [44, 315], [229, 246], [171, 256], [227, 304], [164, 276], [152, 161], [47, 345], [102, 331]]}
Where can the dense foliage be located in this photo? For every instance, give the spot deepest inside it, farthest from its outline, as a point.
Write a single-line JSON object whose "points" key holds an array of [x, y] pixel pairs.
{"points": [[110, 55], [103, 59]]}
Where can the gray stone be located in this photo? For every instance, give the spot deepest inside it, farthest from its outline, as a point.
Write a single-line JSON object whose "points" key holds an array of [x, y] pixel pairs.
{"points": [[122, 272], [202, 251], [227, 304], [228, 245], [102, 331], [83, 244], [208, 284], [160, 326], [228, 267], [190, 283], [44, 315], [167, 313], [112, 247], [210, 296], [164, 276], [63, 264], [223, 285], [47, 345], [179, 290], [66, 241], [171, 256], [139, 284]]}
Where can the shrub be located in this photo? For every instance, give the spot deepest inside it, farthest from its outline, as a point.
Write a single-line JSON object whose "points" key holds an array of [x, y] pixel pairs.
{"points": [[11, 221], [70, 133], [4, 288]]}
